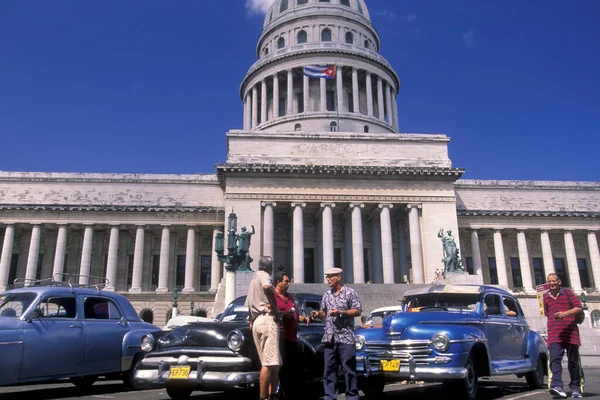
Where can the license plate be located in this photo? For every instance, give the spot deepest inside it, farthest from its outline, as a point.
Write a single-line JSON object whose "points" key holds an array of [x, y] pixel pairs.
{"points": [[390, 365], [180, 372]]}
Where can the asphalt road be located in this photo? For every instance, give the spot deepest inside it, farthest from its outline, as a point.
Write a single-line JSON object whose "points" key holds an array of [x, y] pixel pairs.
{"points": [[510, 388]]}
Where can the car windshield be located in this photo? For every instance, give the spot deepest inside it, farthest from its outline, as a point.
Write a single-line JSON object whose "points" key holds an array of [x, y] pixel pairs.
{"points": [[458, 302], [15, 304], [235, 312], [376, 318]]}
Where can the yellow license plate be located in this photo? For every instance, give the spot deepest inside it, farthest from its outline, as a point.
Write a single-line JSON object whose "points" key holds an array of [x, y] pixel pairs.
{"points": [[180, 372], [390, 365]]}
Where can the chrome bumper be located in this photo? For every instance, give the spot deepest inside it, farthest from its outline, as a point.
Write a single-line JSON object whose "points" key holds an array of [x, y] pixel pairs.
{"points": [[155, 371], [411, 370]]}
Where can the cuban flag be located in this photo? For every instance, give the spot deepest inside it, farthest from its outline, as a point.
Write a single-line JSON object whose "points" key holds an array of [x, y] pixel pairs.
{"points": [[320, 71]]}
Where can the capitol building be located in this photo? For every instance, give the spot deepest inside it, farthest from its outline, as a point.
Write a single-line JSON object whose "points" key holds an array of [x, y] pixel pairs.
{"points": [[322, 172]]}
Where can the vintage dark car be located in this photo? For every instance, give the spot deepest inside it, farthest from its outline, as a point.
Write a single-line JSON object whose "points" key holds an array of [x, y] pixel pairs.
{"points": [[219, 355], [52, 329], [453, 334]]}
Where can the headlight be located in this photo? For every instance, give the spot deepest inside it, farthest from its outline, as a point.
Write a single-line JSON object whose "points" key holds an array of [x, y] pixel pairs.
{"points": [[440, 342], [147, 343], [359, 343], [235, 340]]}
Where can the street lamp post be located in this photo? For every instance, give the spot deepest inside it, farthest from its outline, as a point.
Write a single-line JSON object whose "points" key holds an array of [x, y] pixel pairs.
{"points": [[237, 257]]}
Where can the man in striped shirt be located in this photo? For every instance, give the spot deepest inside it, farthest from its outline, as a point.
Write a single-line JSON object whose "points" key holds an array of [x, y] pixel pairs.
{"points": [[561, 306]]}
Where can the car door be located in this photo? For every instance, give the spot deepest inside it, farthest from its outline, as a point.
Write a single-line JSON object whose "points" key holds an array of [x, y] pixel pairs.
{"points": [[104, 328], [519, 329], [496, 329], [53, 338]]}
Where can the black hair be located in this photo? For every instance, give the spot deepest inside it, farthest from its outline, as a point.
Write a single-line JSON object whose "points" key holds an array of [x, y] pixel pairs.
{"points": [[279, 274]]}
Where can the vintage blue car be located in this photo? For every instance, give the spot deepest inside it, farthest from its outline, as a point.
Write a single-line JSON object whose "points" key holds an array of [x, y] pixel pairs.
{"points": [[453, 334], [60, 330]]}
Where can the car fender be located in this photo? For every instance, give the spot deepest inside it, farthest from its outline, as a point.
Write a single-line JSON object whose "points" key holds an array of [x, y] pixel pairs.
{"points": [[462, 336], [131, 345], [536, 346]]}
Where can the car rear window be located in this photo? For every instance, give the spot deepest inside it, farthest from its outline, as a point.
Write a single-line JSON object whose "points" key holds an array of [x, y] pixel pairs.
{"points": [[100, 308]]}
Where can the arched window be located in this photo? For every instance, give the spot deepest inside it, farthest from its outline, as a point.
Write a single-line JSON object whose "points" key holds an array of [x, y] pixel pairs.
{"points": [[345, 3], [302, 38], [200, 313], [266, 51], [297, 127], [360, 9], [326, 35], [300, 2], [366, 44], [283, 6], [349, 38], [147, 315], [366, 128], [333, 127], [281, 43]]}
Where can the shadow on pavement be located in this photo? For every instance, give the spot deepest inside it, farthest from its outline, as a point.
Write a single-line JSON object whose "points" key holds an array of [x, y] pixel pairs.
{"points": [[47, 393]]}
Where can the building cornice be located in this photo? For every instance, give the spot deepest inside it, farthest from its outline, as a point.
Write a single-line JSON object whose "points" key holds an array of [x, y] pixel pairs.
{"points": [[107, 208], [525, 185], [209, 179], [546, 214]]}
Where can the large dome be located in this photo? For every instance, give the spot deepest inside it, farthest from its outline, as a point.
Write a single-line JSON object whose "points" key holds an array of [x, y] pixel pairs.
{"points": [[284, 8]]}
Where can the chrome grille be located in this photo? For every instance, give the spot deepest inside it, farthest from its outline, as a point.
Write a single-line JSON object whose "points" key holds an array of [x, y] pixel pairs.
{"points": [[419, 350]]}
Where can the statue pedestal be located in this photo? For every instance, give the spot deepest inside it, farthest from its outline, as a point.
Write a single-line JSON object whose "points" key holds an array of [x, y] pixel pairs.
{"points": [[459, 278]]}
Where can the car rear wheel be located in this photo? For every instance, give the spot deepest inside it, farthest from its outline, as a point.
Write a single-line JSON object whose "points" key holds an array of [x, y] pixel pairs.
{"points": [[535, 379], [84, 382], [373, 388], [179, 393]]}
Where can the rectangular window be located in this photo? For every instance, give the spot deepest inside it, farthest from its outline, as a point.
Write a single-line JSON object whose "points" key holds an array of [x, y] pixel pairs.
{"points": [[367, 266], [330, 100], [100, 308], [538, 271], [515, 267], [337, 257], [205, 273], [155, 268], [309, 265], [38, 271], [58, 307], [470, 269], [282, 107], [583, 273], [350, 102], [493, 271], [300, 100], [180, 272], [129, 270], [559, 267]]}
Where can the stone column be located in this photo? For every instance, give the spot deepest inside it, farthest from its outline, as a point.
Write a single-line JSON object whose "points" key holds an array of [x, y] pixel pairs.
{"points": [[380, 104], [263, 101], [500, 260], [34, 253], [254, 107], [358, 255], [327, 219], [269, 229], [376, 258], [59, 254], [369, 95], [524, 261], [594, 258], [306, 93], [387, 250], [247, 118], [215, 265], [7, 248], [323, 97], [388, 103], [163, 265], [298, 242], [111, 262], [340, 89], [290, 93], [476, 253], [191, 257], [138, 260], [395, 111], [275, 96], [416, 249], [86, 255], [319, 278], [355, 97], [547, 252], [347, 263], [572, 262]]}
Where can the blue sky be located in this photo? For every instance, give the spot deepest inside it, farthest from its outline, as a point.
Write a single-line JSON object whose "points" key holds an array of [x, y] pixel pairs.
{"points": [[146, 86]]}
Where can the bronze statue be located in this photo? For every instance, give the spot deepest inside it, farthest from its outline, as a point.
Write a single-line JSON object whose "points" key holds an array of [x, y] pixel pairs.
{"points": [[451, 260], [244, 239]]}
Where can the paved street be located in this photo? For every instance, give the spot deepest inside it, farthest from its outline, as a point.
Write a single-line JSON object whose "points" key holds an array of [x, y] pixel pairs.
{"points": [[509, 388]]}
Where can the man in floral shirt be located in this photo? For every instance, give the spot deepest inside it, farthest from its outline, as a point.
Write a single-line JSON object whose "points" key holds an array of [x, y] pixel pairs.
{"points": [[339, 307]]}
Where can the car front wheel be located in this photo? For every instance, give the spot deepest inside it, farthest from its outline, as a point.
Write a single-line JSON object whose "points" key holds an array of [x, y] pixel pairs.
{"points": [[179, 393], [535, 379], [469, 384], [129, 375]]}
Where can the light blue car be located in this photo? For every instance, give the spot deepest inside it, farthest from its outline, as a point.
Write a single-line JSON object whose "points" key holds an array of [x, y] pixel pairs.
{"points": [[453, 334], [65, 331]]}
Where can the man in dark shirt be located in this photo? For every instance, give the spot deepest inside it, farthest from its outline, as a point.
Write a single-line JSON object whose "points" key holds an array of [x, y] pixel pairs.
{"points": [[561, 306], [339, 307]]}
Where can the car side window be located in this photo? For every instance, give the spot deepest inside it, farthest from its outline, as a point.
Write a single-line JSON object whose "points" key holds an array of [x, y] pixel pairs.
{"points": [[100, 308], [491, 305], [57, 307], [510, 307]]}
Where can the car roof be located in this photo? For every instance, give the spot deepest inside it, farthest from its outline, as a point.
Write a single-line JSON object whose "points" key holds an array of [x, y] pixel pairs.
{"points": [[64, 290], [473, 289]]}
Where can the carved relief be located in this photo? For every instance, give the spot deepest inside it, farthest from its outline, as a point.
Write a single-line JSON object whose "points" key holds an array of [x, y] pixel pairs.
{"points": [[181, 242], [310, 230], [558, 246], [535, 245], [580, 246], [42, 243], [155, 242], [512, 247], [205, 242], [282, 231], [131, 242]]}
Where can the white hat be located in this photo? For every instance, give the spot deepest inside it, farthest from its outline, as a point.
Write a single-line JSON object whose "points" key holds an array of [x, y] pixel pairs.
{"points": [[334, 271]]}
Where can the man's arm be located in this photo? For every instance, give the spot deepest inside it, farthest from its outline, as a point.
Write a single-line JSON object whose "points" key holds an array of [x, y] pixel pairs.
{"points": [[575, 304], [270, 293]]}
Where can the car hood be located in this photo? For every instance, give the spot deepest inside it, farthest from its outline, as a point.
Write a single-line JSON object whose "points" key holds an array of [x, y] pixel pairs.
{"points": [[205, 334], [399, 322]]}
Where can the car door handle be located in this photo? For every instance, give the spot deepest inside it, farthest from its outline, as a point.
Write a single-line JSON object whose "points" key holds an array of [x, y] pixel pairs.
{"points": [[75, 326]]}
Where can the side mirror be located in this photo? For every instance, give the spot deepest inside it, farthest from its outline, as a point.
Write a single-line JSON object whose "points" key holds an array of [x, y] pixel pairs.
{"points": [[35, 314]]}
